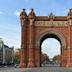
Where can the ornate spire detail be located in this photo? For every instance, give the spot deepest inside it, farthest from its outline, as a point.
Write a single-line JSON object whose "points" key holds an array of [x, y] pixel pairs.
{"points": [[23, 14], [31, 14], [51, 16], [70, 12]]}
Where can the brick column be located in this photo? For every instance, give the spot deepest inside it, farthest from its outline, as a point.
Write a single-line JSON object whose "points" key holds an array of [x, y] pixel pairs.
{"points": [[23, 51], [37, 57], [63, 57], [69, 62], [31, 62]]}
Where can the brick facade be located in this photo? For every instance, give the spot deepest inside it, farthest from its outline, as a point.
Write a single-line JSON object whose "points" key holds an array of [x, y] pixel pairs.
{"points": [[34, 29]]}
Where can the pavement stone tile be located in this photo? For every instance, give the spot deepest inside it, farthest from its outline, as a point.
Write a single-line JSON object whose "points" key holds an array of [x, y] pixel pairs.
{"points": [[41, 69]]}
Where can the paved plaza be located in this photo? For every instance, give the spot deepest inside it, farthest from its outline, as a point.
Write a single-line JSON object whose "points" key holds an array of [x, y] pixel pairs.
{"points": [[42, 69]]}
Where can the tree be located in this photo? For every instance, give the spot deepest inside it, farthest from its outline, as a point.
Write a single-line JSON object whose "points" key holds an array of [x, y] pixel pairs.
{"points": [[56, 59], [17, 56], [44, 57]]}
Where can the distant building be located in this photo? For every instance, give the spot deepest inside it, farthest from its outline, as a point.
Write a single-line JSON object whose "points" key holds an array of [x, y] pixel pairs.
{"points": [[6, 53]]}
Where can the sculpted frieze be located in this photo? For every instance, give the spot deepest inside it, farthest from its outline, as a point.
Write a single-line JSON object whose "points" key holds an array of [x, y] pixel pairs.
{"points": [[50, 23]]}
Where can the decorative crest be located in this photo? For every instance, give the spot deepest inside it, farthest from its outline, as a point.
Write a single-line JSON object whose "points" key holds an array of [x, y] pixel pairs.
{"points": [[70, 12], [32, 12], [51, 16], [23, 13]]}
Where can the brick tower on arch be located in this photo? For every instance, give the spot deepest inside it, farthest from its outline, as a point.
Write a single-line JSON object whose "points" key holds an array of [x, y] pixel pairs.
{"points": [[35, 29]]}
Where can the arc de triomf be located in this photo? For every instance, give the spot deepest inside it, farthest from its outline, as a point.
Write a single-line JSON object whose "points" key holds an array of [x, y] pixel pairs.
{"points": [[35, 29]]}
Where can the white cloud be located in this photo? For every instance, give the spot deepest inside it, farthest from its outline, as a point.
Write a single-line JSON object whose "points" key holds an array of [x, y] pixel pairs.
{"points": [[1, 12], [27, 11], [17, 13]]}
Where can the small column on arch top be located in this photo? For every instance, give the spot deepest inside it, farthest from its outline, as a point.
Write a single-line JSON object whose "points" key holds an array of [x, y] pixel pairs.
{"points": [[31, 61], [23, 51]]}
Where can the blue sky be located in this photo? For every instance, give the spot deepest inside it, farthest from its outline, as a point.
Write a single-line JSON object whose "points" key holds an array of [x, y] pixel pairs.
{"points": [[51, 47], [9, 15]]}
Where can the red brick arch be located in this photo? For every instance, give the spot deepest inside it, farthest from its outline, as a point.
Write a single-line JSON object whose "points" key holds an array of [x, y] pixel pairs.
{"points": [[54, 34], [34, 29]]}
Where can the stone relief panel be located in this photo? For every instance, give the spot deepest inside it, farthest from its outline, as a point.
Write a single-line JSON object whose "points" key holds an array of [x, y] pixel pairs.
{"points": [[51, 23]]}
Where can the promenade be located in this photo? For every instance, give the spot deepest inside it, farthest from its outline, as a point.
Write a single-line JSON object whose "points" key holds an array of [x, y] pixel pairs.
{"points": [[41, 69]]}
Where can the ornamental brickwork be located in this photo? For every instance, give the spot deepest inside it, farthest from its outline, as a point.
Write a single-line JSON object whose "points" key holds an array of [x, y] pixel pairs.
{"points": [[35, 29]]}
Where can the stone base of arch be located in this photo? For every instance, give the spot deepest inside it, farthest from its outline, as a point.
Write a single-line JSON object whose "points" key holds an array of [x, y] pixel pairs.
{"points": [[31, 64], [22, 65]]}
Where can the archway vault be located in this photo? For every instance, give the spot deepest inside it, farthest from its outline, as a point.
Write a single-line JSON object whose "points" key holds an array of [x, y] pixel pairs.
{"points": [[54, 34], [51, 34]]}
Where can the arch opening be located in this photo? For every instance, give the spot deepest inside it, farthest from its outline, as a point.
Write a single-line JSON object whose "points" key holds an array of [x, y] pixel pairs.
{"points": [[47, 58]]}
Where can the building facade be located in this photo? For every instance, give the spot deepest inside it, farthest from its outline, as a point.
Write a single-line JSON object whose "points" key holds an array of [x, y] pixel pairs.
{"points": [[6, 53], [35, 29]]}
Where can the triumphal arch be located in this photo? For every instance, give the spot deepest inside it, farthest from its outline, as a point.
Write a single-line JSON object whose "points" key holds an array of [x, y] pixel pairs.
{"points": [[35, 29]]}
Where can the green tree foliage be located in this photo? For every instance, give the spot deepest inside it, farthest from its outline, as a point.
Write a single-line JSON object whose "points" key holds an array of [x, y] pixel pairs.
{"points": [[56, 59], [17, 56], [44, 57]]}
